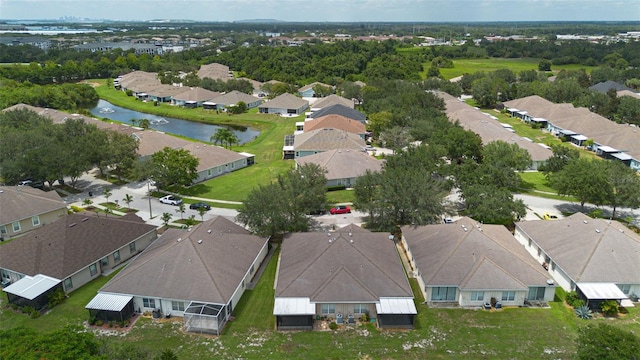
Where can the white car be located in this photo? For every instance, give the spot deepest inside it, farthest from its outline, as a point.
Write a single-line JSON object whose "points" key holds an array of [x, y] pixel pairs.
{"points": [[171, 200]]}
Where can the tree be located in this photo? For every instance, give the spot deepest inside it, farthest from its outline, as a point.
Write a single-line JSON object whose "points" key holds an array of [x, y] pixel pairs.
{"points": [[379, 122], [144, 123], [282, 206], [107, 193], [489, 204], [181, 209], [562, 155], [607, 342], [583, 178], [201, 212], [623, 186], [166, 218], [396, 138], [128, 199], [239, 108], [485, 91], [224, 137], [174, 167], [544, 65]]}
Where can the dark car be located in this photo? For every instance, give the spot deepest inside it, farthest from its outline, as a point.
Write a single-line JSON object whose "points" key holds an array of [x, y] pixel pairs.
{"points": [[342, 209], [200, 205]]}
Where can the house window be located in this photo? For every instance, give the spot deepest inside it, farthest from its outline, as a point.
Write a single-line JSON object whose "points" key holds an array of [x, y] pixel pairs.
{"points": [[252, 269], [477, 296], [93, 269], [35, 220], [536, 293], [219, 169], [328, 308], [209, 172], [508, 295], [16, 226], [116, 256], [625, 288], [5, 275], [177, 306], [104, 261], [443, 294], [132, 247], [360, 308], [149, 303], [3, 229], [68, 283], [233, 165]]}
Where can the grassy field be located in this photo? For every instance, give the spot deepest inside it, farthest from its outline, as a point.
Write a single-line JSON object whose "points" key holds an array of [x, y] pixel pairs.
{"points": [[513, 333], [468, 66]]}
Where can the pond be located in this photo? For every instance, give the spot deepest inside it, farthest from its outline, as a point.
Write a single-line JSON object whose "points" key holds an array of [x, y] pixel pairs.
{"points": [[186, 128]]}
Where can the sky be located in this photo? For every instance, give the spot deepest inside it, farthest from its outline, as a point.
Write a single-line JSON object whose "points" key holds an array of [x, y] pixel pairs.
{"points": [[328, 10]]}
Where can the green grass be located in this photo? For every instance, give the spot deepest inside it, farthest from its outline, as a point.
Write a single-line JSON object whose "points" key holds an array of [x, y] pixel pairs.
{"points": [[469, 66], [536, 180]]}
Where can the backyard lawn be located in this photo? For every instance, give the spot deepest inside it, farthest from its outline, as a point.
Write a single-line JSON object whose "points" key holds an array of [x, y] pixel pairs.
{"points": [[469, 66]]}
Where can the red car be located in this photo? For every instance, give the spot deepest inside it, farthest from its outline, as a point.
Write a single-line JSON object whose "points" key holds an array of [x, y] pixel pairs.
{"points": [[342, 209]]}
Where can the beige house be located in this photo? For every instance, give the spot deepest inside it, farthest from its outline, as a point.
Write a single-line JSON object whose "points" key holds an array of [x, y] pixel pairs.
{"points": [[343, 167], [467, 264], [23, 208], [341, 275], [75, 249]]}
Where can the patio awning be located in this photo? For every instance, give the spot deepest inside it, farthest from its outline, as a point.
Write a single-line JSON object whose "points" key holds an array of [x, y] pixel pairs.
{"points": [[622, 156], [538, 119], [607, 149], [567, 132], [396, 306], [512, 110], [30, 287], [580, 137], [108, 302], [293, 306], [598, 291]]}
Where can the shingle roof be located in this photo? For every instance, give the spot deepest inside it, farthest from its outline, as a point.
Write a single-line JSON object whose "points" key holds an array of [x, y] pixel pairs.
{"points": [[234, 97], [197, 265], [588, 250], [482, 257], [214, 71], [63, 247], [328, 139], [196, 94], [365, 270], [138, 77], [343, 164], [285, 101], [337, 122], [310, 86], [333, 99], [605, 86], [22, 202], [211, 155], [340, 110]]}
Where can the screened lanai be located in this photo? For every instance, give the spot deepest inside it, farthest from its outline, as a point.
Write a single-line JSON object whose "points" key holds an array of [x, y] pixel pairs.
{"points": [[205, 318]]}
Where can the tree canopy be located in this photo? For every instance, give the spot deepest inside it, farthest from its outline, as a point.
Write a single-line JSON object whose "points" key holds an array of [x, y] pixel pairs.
{"points": [[174, 167]]}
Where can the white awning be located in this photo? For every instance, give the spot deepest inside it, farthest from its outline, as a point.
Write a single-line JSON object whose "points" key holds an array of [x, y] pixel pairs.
{"points": [[31, 287], [287, 148], [622, 156], [505, 125], [538, 119], [108, 302], [598, 291], [396, 306], [567, 132], [580, 137], [293, 306], [607, 149], [512, 110]]}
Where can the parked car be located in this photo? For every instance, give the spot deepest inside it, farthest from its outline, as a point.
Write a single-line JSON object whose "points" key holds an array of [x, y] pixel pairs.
{"points": [[550, 216], [171, 200], [342, 209], [200, 205]]}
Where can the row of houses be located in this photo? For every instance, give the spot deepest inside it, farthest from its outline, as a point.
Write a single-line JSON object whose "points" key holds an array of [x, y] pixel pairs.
{"points": [[200, 274], [213, 160], [581, 127]]}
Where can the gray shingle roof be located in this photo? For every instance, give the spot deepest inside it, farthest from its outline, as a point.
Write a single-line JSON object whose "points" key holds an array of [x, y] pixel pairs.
{"points": [[196, 94], [588, 250], [333, 99], [234, 97], [180, 266], [328, 139], [22, 202], [343, 164], [337, 271], [285, 101], [605, 86], [340, 110], [63, 247], [482, 257]]}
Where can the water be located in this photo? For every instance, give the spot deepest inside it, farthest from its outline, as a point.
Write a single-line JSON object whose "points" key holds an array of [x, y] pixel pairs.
{"points": [[186, 128]]}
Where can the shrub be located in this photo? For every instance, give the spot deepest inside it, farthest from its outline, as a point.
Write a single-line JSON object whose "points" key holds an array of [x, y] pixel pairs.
{"points": [[110, 324], [76, 209], [609, 307], [56, 298], [365, 317], [583, 312], [573, 300], [27, 310], [99, 322], [34, 313], [333, 326], [92, 320]]}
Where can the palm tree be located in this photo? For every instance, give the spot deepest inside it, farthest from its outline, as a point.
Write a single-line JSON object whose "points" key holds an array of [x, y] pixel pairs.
{"points": [[134, 121], [166, 217], [87, 202], [128, 199], [181, 210], [219, 136], [106, 192], [231, 139], [201, 212], [144, 123]]}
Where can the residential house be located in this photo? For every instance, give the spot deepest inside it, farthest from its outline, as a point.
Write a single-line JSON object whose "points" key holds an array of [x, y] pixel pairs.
{"points": [[341, 275], [338, 122], [199, 274], [216, 160], [75, 249], [307, 90], [215, 71], [343, 167], [605, 86], [233, 98], [332, 99], [32, 291], [23, 208], [339, 109], [584, 253], [194, 97], [468, 264], [317, 141], [284, 104], [490, 129]]}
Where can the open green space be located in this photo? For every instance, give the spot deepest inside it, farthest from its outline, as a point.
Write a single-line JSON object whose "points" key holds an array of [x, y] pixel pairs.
{"points": [[513, 333], [469, 66]]}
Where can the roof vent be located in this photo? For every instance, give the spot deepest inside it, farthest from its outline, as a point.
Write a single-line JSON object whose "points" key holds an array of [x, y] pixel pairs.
{"points": [[351, 241], [209, 231], [72, 224], [179, 239], [550, 282], [598, 231], [199, 241], [85, 219], [585, 221], [621, 230]]}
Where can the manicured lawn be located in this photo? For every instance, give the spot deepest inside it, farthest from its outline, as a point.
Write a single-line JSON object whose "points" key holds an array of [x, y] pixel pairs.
{"points": [[469, 66], [536, 180]]}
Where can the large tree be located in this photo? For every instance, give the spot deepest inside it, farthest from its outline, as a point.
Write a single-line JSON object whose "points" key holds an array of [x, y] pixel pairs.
{"points": [[584, 179], [623, 186], [562, 155], [174, 167]]}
